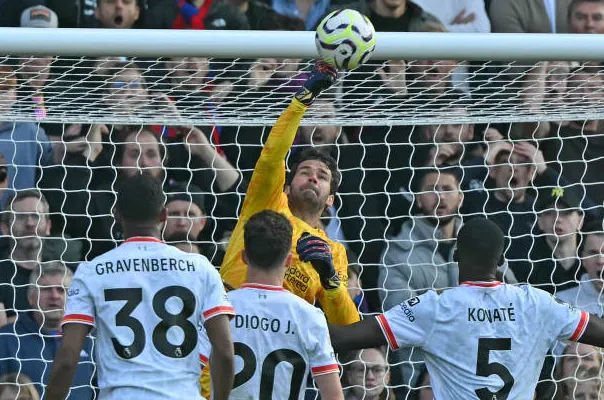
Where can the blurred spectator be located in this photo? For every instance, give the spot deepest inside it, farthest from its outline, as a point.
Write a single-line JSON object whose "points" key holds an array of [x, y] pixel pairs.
{"points": [[181, 241], [355, 285], [506, 194], [196, 14], [261, 16], [423, 391], [587, 295], [521, 16], [17, 386], [586, 16], [309, 11], [575, 148], [142, 150], [419, 257], [31, 343], [585, 383], [24, 145], [25, 227], [185, 207], [366, 375], [459, 15], [117, 14], [554, 264]]}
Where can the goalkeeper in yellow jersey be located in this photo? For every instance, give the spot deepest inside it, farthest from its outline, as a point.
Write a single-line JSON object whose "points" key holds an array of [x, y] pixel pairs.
{"points": [[318, 272]]}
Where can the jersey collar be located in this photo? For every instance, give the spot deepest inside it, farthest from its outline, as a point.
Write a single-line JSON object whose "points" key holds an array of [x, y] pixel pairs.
{"points": [[263, 287], [142, 239], [480, 283]]}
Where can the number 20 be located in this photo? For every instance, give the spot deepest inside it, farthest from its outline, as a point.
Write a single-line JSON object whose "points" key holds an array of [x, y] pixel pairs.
{"points": [[267, 377], [133, 297]]}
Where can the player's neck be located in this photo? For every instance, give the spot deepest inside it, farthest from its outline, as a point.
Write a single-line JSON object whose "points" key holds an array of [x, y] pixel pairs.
{"points": [[264, 278], [311, 218], [141, 231], [477, 277]]}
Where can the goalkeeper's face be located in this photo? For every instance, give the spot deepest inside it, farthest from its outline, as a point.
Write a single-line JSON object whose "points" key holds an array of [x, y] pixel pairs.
{"points": [[310, 188]]}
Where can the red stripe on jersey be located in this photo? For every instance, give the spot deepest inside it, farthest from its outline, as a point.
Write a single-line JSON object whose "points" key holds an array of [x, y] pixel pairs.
{"points": [[203, 359], [580, 327], [142, 239], [387, 331], [263, 287], [218, 310], [481, 284], [325, 369], [78, 318]]}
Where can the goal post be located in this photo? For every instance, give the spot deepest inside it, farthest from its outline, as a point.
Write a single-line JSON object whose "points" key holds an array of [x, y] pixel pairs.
{"points": [[494, 103]]}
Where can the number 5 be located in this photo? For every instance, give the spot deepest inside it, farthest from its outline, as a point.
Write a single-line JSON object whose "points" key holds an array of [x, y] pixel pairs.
{"points": [[486, 368]]}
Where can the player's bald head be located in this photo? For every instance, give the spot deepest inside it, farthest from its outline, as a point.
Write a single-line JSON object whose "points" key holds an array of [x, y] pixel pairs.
{"points": [[480, 243]]}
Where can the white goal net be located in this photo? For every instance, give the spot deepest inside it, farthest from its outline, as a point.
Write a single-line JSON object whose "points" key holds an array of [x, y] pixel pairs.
{"points": [[422, 145]]}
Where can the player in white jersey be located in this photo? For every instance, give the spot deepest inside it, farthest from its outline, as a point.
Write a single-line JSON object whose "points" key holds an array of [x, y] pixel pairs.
{"points": [[484, 339], [279, 337], [146, 300]]}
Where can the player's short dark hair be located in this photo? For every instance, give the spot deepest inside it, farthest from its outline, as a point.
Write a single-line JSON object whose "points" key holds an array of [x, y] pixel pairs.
{"points": [[140, 198], [310, 153], [267, 238], [421, 174], [480, 242]]}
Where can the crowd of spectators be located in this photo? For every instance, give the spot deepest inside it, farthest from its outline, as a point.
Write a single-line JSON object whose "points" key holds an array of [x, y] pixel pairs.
{"points": [[404, 194]]}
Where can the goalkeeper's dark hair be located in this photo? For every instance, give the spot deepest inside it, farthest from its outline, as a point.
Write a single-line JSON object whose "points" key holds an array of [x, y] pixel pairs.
{"points": [[310, 153], [267, 238], [140, 199], [480, 243]]}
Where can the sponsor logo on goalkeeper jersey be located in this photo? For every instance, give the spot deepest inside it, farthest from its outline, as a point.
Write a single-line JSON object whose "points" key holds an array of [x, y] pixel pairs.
{"points": [[297, 278], [501, 314]]}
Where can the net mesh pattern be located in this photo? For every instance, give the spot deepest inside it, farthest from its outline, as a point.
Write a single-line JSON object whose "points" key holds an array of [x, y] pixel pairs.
{"points": [[420, 144]]}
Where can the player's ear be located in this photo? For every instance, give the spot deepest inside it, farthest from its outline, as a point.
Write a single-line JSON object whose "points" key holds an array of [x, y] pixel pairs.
{"points": [[330, 199], [286, 189], [163, 215], [244, 257], [288, 260]]}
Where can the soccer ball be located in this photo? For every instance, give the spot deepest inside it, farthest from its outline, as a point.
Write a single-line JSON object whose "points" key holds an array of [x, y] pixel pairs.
{"points": [[345, 38]]}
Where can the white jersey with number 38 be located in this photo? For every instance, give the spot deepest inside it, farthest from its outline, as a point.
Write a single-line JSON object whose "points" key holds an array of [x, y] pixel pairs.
{"points": [[483, 340], [147, 301], [279, 338]]}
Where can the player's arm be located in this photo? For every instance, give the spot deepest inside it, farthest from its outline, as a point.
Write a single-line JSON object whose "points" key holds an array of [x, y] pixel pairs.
{"points": [[331, 266], [361, 335], [594, 332], [329, 386], [268, 179], [336, 302], [222, 358], [66, 361]]}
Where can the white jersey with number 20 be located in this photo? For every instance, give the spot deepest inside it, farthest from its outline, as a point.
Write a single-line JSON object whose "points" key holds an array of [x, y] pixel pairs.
{"points": [[147, 301], [279, 338], [483, 340]]}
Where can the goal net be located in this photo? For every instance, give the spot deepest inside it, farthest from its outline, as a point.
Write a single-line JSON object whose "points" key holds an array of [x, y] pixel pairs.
{"points": [[422, 144]]}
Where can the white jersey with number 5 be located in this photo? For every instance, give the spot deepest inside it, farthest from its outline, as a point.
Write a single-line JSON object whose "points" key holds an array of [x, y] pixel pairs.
{"points": [[279, 338], [483, 340], [146, 300]]}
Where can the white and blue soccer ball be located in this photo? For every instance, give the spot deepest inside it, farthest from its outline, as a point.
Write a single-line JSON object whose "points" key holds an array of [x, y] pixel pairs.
{"points": [[345, 38]]}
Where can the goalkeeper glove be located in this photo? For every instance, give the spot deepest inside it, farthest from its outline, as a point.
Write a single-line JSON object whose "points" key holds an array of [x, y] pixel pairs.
{"points": [[315, 250], [322, 77]]}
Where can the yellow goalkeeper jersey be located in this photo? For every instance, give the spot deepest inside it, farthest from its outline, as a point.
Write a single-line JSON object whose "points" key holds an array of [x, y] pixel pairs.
{"points": [[265, 191]]}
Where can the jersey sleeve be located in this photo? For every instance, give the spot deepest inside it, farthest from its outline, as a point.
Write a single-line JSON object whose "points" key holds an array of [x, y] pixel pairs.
{"points": [[336, 303], [410, 322], [79, 308], [321, 354], [565, 321], [215, 299], [265, 190]]}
